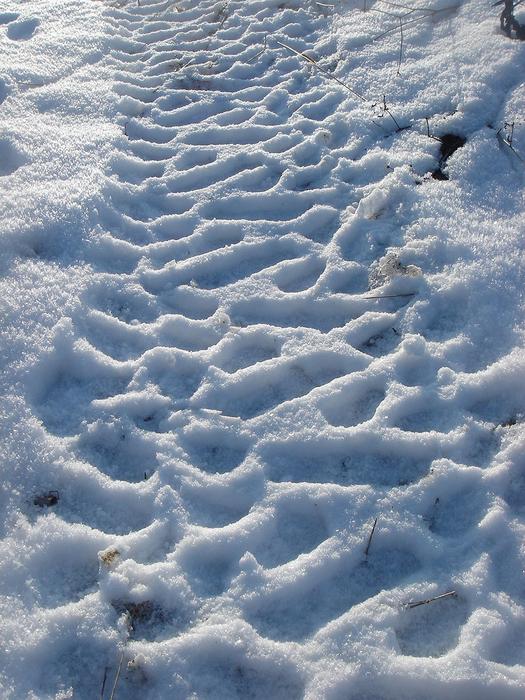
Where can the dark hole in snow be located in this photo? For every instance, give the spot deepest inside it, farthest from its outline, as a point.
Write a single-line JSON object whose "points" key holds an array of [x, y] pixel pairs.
{"points": [[46, 500], [140, 612], [449, 145], [438, 174]]}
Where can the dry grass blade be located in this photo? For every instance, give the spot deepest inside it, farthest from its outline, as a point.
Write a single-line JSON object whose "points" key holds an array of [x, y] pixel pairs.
{"points": [[321, 69], [390, 296], [259, 53], [388, 14], [117, 676], [509, 144], [431, 136], [370, 538], [396, 28], [103, 687], [506, 136], [428, 13], [410, 8], [337, 80], [417, 603]]}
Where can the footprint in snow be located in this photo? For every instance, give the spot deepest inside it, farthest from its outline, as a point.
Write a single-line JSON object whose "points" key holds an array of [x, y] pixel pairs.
{"points": [[23, 30]]}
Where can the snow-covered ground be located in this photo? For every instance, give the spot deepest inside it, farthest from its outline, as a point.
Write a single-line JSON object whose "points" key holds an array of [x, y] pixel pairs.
{"points": [[263, 377]]}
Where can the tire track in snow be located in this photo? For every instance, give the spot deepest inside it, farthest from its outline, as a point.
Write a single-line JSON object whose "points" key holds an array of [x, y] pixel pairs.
{"points": [[244, 402]]}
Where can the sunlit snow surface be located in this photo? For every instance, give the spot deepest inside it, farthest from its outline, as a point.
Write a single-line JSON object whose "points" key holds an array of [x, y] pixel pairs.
{"points": [[240, 322]]}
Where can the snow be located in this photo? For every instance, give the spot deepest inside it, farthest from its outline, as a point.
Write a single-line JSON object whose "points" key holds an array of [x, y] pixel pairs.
{"points": [[263, 375]]}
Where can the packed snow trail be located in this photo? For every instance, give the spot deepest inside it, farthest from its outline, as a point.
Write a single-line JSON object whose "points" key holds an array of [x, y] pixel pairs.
{"points": [[264, 330]]}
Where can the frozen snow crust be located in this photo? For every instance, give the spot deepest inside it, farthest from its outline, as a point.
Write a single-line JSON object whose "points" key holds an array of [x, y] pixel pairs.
{"points": [[240, 322]]}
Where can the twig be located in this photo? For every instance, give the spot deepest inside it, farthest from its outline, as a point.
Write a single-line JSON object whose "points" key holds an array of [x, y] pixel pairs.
{"points": [[514, 151], [385, 108], [431, 136], [103, 683], [449, 594], [511, 135], [117, 676], [508, 142], [370, 538]]}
